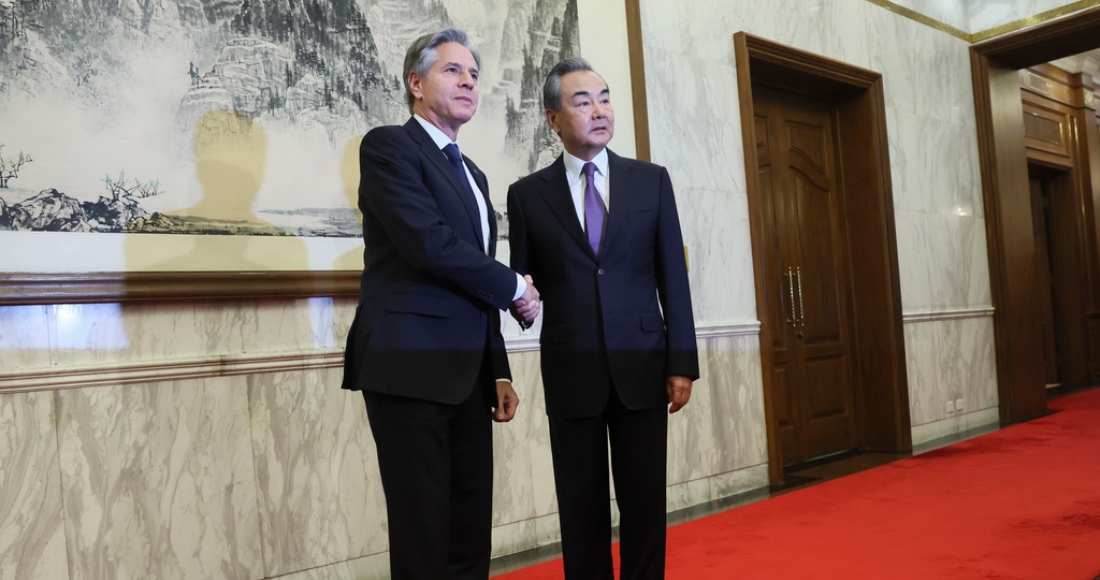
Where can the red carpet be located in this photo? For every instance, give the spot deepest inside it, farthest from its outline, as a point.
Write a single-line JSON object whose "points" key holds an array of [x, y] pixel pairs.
{"points": [[1019, 503]]}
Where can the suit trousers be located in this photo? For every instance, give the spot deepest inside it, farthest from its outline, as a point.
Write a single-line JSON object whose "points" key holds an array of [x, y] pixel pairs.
{"points": [[436, 463], [638, 455]]}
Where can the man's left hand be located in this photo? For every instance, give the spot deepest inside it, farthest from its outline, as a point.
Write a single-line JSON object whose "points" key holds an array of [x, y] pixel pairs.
{"points": [[679, 391], [507, 402]]}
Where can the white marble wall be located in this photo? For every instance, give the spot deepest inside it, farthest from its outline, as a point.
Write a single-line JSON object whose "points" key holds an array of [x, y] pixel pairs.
{"points": [[976, 16], [950, 361], [986, 14], [32, 534], [157, 481], [954, 13]]}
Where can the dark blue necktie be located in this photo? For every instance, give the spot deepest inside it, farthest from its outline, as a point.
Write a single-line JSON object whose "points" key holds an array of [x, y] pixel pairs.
{"points": [[455, 157]]}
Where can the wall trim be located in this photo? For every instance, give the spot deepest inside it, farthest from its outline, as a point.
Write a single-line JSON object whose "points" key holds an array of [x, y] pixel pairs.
{"points": [[947, 314], [530, 342], [77, 377], [126, 373]]}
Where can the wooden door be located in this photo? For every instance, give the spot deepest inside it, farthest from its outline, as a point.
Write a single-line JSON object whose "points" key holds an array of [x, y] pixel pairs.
{"points": [[806, 275], [1040, 215]]}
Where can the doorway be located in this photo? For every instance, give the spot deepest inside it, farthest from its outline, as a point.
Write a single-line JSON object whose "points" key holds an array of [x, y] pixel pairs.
{"points": [[1040, 182], [821, 215], [811, 351], [1021, 348]]}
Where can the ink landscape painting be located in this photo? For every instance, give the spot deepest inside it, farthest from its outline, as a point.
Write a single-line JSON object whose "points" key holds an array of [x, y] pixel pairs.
{"points": [[159, 120]]}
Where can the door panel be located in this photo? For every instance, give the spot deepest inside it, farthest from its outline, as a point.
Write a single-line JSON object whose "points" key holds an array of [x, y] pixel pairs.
{"points": [[1040, 209], [805, 274]]}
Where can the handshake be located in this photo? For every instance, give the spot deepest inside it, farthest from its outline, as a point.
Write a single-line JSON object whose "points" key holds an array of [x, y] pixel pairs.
{"points": [[526, 308]]}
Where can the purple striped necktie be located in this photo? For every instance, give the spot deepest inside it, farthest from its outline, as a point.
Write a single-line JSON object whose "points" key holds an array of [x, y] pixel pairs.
{"points": [[595, 213]]}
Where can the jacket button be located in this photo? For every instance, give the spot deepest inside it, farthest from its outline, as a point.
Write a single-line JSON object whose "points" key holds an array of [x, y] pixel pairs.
{"points": [[600, 271]]}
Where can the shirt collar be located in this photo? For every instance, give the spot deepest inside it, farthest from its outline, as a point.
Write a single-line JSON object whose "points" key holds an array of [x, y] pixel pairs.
{"points": [[438, 136], [574, 165]]}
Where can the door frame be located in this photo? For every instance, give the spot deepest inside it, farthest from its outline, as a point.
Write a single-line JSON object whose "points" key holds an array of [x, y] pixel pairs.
{"points": [[998, 109], [879, 375]]}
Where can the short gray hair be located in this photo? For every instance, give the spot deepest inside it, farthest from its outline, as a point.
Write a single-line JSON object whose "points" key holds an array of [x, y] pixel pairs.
{"points": [[422, 55], [551, 89]]}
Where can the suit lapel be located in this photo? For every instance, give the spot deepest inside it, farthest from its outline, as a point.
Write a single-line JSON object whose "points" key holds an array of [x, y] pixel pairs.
{"points": [[435, 154], [623, 197], [555, 191], [483, 185]]}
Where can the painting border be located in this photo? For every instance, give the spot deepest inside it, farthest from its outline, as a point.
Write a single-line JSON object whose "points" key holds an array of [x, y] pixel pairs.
{"points": [[74, 288]]}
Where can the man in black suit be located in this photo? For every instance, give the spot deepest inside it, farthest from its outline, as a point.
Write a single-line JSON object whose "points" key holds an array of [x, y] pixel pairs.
{"points": [[425, 346], [601, 235]]}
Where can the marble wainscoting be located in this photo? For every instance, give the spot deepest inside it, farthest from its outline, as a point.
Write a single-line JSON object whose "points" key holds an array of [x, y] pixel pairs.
{"points": [[320, 499], [32, 533], [158, 480], [255, 465], [950, 356]]}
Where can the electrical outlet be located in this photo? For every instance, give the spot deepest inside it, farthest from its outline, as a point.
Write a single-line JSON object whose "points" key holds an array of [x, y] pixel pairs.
{"points": [[951, 407], [959, 405]]}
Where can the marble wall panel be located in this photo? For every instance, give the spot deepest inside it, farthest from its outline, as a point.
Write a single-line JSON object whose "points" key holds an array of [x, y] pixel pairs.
{"points": [[704, 29], [943, 261], [949, 360], [953, 13], [986, 14], [90, 334], [927, 394], [522, 474], [374, 567], [925, 72], [700, 144], [26, 338], [722, 428], [320, 497], [979, 378], [32, 536], [157, 481], [933, 164]]}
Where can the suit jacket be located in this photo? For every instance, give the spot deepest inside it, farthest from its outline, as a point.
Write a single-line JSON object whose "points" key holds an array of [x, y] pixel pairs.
{"points": [[430, 299], [622, 318]]}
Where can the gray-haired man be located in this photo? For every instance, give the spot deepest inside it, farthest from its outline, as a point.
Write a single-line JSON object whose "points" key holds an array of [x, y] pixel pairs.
{"points": [[601, 234], [425, 347]]}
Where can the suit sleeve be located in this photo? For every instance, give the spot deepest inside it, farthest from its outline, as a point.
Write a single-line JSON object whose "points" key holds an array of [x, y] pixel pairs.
{"points": [[517, 233], [392, 187], [673, 289]]}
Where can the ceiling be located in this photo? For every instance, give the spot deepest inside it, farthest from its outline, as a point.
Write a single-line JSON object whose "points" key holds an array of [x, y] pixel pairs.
{"points": [[1086, 62]]}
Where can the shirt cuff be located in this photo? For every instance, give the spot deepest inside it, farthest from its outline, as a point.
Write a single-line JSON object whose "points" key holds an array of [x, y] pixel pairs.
{"points": [[521, 287]]}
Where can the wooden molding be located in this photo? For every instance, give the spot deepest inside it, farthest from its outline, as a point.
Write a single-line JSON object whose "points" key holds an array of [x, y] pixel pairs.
{"points": [[1046, 42], [995, 66], [28, 288], [637, 79]]}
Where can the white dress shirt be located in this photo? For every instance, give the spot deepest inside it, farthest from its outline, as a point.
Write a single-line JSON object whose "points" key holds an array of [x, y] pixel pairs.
{"points": [[574, 173]]}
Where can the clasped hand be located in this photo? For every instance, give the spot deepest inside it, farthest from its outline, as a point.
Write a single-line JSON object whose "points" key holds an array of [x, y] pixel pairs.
{"points": [[526, 308]]}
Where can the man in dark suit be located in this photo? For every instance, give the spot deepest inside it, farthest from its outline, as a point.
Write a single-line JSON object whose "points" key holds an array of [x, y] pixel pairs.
{"points": [[601, 235], [425, 346]]}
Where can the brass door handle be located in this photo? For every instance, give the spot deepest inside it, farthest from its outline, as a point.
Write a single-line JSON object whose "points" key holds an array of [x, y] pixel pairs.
{"points": [[789, 275], [801, 303]]}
